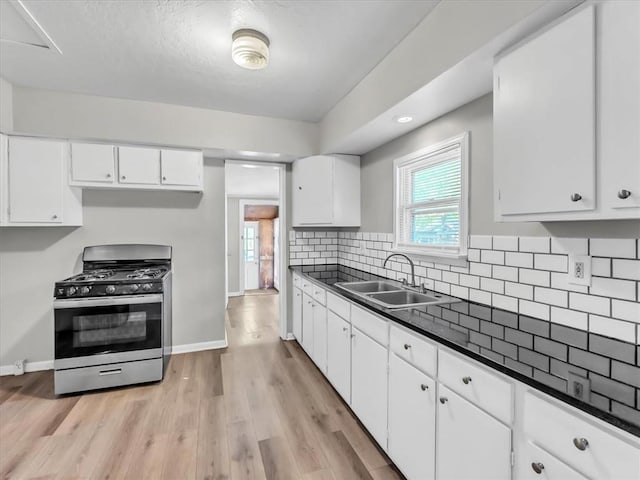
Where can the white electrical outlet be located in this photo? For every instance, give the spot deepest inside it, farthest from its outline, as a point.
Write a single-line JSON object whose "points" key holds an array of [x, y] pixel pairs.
{"points": [[580, 270], [18, 367]]}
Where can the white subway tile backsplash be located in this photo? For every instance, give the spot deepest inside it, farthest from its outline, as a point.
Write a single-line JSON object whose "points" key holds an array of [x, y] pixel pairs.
{"points": [[535, 244], [629, 269], [470, 281], [492, 256], [610, 287], [473, 255], [561, 281], [612, 247], [601, 267], [559, 298], [590, 303], [518, 290], [534, 277], [481, 269], [450, 277], [612, 328], [480, 241], [492, 285], [519, 259], [460, 292], [625, 310], [574, 246], [480, 296], [504, 302], [505, 243], [569, 318], [434, 274], [556, 263], [505, 273], [534, 309], [442, 287]]}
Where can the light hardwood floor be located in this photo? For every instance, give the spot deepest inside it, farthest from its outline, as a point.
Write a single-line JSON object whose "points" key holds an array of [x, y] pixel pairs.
{"points": [[257, 409]]}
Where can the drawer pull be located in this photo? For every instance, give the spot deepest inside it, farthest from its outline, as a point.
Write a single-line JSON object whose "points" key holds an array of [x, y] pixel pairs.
{"points": [[113, 371], [537, 467], [581, 443], [424, 387], [443, 400], [466, 380], [623, 194], [407, 346], [576, 197]]}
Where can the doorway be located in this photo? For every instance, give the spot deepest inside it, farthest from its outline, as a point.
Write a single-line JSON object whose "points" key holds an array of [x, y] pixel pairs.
{"points": [[251, 255]]}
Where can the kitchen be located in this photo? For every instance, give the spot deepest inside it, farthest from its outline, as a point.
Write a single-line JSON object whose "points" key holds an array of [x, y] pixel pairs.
{"points": [[521, 235]]}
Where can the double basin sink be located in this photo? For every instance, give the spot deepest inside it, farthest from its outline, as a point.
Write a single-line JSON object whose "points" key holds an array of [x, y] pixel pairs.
{"points": [[392, 296]]}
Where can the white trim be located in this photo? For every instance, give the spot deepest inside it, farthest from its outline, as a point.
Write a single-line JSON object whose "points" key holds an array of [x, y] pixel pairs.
{"points": [[28, 367], [234, 294], [198, 347], [461, 252], [290, 336]]}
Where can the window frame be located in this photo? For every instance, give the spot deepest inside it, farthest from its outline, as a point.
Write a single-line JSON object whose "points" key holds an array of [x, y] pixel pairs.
{"points": [[424, 155]]}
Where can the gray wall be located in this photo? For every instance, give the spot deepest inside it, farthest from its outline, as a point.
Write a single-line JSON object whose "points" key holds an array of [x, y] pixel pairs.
{"points": [[233, 244], [477, 118], [32, 259]]}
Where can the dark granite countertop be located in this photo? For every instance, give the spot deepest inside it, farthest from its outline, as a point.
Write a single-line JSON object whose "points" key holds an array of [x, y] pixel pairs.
{"points": [[536, 352]]}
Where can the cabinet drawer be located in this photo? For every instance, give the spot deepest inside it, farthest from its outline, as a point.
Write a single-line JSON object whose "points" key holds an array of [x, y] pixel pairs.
{"points": [[319, 294], [482, 388], [557, 429], [307, 286], [339, 306], [418, 352], [534, 460], [297, 281], [370, 324]]}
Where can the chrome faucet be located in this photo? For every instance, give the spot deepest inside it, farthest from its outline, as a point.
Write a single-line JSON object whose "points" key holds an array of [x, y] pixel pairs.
{"points": [[413, 274]]}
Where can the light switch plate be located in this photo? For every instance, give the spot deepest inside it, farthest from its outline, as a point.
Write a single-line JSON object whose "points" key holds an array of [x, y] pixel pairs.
{"points": [[580, 270]]}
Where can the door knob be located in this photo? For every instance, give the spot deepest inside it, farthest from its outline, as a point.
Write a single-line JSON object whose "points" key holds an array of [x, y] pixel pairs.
{"points": [[576, 197], [537, 467], [622, 194]]}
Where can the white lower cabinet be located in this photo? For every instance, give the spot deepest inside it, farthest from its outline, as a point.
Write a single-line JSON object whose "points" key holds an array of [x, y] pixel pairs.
{"points": [[297, 313], [471, 444], [339, 354], [319, 355], [369, 384], [537, 464], [412, 417], [307, 324]]}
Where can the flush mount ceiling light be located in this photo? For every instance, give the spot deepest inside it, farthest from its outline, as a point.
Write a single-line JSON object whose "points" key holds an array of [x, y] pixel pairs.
{"points": [[250, 49], [403, 118]]}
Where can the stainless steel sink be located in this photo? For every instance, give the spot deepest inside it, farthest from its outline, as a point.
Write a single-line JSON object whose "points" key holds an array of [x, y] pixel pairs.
{"points": [[394, 296], [368, 287]]}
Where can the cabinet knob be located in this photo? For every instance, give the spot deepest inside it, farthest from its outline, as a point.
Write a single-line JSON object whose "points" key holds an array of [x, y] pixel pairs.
{"points": [[299, 188], [537, 467], [466, 380], [164, 178], [622, 194], [54, 217], [576, 197], [581, 443], [407, 346], [123, 177], [108, 175], [424, 387], [345, 329], [443, 400], [353, 335]]}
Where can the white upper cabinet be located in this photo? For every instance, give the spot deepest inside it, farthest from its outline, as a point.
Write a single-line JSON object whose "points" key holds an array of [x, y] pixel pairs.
{"points": [[326, 191], [544, 123], [181, 167], [139, 165], [619, 105], [93, 163], [34, 187]]}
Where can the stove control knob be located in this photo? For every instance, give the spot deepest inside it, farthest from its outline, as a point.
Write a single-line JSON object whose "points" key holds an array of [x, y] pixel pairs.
{"points": [[146, 287], [135, 287], [85, 290], [110, 289], [71, 290]]}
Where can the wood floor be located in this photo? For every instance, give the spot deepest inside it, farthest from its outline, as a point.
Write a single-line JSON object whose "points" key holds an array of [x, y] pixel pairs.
{"points": [[257, 409]]}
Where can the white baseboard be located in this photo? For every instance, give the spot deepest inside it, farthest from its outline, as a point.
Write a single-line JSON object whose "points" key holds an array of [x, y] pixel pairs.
{"points": [[28, 367], [290, 336], [234, 294]]}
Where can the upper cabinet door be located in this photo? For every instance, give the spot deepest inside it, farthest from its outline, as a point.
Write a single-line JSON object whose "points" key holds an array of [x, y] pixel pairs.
{"points": [[544, 121], [619, 103], [313, 191], [36, 180], [91, 162], [139, 165], [181, 167]]}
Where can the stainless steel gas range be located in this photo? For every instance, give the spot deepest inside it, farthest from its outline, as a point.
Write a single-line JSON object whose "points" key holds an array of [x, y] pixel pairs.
{"points": [[113, 320]]}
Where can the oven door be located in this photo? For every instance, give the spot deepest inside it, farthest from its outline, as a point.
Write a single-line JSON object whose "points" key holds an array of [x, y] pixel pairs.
{"points": [[96, 331]]}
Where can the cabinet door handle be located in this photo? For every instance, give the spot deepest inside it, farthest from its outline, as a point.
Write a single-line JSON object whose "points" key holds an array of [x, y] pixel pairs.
{"points": [[443, 400], [407, 346], [581, 443], [424, 387], [622, 194], [466, 380], [576, 197], [537, 467]]}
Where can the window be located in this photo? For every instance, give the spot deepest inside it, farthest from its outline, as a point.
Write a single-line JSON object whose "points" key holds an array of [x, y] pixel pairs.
{"points": [[431, 192]]}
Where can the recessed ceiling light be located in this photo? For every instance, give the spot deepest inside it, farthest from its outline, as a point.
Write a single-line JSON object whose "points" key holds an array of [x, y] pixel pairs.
{"points": [[250, 49], [403, 119]]}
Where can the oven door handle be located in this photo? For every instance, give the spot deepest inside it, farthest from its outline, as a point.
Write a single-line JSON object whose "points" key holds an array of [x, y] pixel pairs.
{"points": [[106, 301]]}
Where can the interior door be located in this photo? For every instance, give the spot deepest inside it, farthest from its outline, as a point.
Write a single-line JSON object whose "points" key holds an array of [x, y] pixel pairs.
{"points": [[251, 255]]}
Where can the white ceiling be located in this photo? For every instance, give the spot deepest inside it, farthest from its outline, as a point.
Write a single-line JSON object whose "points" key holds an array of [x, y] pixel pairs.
{"points": [[179, 51], [251, 180]]}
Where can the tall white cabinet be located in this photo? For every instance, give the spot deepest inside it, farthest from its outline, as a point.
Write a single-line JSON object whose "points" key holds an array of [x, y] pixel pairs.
{"points": [[326, 191], [567, 117]]}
